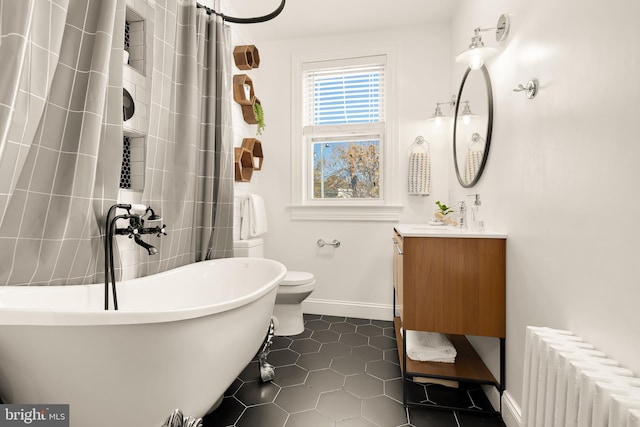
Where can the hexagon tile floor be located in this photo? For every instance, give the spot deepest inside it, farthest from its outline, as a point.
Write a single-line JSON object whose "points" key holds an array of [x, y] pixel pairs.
{"points": [[340, 372]]}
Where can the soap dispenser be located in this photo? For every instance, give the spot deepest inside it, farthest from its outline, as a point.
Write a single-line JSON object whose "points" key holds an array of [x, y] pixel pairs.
{"points": [[476, 223]]}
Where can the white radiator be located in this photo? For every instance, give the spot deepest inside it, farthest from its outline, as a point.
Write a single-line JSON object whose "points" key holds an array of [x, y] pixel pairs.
{"points": [[568, 383]]}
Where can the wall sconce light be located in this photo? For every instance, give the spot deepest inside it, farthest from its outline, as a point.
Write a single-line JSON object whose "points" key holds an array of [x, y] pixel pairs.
{"points": [[438, 117], [477, 52], [466, 115]]}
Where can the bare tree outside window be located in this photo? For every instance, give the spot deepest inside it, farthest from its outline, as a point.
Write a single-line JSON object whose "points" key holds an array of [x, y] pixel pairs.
{"points": [[346, 169]]}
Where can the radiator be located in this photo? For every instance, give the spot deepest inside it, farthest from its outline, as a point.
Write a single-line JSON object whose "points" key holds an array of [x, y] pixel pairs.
{"points": [[569, 383]]}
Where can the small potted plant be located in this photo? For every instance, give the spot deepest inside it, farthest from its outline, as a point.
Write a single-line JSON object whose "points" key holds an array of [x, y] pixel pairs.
{"points": [[259, 113], [440, 215]]}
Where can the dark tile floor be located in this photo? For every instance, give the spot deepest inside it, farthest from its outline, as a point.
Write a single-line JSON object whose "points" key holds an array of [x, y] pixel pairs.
{"points": [[340, 372]]}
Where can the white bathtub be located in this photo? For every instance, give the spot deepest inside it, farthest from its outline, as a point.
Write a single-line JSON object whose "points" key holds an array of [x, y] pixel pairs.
{"points": [[179, 340]]}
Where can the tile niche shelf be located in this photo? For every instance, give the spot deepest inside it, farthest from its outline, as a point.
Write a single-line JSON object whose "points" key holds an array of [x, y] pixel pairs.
{"points": [[246, 57]]}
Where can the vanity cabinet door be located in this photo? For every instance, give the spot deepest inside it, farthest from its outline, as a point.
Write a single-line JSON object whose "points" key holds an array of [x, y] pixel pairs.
{"points": [[454, 285]]}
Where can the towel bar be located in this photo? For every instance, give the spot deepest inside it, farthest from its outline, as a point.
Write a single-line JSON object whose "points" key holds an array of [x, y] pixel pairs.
{"points": [[321, 243]]}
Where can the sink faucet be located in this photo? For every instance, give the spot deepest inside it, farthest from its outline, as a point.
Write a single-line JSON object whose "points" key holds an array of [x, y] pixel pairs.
{"points": [[463, 214]]}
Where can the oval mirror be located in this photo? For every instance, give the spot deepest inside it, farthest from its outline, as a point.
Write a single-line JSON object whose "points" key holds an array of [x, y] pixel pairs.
{"points": [[472, 126]]}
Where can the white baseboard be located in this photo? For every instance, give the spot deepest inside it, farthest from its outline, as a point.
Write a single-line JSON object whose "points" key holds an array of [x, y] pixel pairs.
{"points": [[348, 309], [511, 413]]}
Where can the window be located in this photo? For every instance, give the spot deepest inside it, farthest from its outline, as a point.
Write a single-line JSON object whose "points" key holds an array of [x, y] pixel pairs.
{"points": [[342, 135], [343, 127]]}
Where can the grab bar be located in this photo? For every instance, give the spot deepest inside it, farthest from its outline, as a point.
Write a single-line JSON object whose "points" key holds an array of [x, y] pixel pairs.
{"points": [[321, 243]]}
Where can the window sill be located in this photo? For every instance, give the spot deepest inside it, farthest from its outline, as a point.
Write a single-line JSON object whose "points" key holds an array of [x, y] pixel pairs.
{"points": [[381, 213]]}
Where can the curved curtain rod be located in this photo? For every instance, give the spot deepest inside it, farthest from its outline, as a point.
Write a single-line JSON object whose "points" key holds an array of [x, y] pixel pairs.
{"points": [[235, 20]]}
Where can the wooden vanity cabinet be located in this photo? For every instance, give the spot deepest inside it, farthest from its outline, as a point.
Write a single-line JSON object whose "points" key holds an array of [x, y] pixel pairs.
{"points": [[452, 285]]}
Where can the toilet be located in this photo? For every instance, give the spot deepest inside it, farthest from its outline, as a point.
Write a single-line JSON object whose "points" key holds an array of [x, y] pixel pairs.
{"points": [[294, 288]]}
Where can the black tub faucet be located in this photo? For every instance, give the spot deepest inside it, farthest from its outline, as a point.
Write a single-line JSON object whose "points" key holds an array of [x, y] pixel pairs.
{"points": [[151, 249], [135, 214]]}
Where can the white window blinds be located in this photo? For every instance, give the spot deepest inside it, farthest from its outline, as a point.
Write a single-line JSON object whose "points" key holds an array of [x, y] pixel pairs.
{"points": [[352, 93]]}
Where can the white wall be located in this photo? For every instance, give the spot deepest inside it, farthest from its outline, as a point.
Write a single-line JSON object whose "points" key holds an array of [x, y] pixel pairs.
{"points": [[562, 174], [355, 279]]}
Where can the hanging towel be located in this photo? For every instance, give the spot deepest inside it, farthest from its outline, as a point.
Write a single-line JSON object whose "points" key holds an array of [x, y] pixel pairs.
{"points": [[420, 173], [430, 347], [253, 217], [472, 164]]}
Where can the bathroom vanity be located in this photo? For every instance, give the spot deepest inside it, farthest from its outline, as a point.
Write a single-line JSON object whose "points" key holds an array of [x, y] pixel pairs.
{"points": [[450, 281]]}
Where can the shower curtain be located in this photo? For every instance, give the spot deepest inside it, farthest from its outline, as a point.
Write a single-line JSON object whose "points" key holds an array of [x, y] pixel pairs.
{"points": [[61, 137], [189, 173]]}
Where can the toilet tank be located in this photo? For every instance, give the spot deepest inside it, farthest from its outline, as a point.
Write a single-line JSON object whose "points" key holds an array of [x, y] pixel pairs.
{"points": [[249, 248]]}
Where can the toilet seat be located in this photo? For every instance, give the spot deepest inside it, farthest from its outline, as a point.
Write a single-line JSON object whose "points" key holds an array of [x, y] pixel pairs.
{"points": [[297, 278]]}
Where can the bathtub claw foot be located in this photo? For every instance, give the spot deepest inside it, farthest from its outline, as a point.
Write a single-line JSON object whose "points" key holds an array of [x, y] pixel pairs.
{"points": [[267, 371], [177, 419], [192, 422]]}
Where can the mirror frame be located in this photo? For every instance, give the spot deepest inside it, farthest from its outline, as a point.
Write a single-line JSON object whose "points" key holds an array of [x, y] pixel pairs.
{"points": [[487, 136]]}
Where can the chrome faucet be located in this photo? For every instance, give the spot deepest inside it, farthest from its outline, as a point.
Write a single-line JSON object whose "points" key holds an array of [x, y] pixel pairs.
{"points": [[463, 214]]}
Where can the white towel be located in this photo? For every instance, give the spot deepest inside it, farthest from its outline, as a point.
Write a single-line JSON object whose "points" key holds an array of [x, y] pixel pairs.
{"points": [[254, 217], [430, 347], [420, 173]]}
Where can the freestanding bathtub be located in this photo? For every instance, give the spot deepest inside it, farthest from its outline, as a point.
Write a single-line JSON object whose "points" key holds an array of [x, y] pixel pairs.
{"points": [[178, 341]]}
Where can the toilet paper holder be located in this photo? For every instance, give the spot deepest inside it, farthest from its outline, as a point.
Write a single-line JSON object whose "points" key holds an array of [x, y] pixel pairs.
{"points": [[321, 243]]}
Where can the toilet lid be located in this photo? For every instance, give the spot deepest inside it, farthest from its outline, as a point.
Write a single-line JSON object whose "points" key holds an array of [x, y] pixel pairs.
{"points": [[296, 278]]}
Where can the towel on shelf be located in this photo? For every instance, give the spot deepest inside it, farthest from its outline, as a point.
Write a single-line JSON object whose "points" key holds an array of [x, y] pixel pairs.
{"points": [[430, 347], [472, 164], [420, 173], [253, 217]]}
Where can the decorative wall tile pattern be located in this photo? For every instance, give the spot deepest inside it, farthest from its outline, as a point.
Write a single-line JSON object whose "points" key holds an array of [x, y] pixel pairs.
{"points": [[125, 170], [127, 28]]}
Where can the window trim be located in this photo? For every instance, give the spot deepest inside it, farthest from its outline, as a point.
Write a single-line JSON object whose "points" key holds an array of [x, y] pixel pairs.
{"points": [[303, 206]]}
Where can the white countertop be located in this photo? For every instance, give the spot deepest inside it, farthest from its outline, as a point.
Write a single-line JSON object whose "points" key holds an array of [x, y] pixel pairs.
{"points": [[426, 230]]}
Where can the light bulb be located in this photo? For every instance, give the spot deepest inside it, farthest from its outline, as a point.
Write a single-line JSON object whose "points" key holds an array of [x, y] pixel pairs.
{"points": [[466, 119], [475, 62], [438, 121]]}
